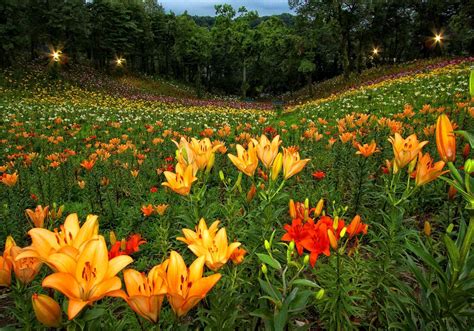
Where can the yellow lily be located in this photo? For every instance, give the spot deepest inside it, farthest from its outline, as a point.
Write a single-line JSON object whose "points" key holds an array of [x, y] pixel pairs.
{"points": [[69, 240], [246, 160], [186, 287], [181, 181], [292, 163], [195, 237], [216, 249], [203, 151], [38, 215], [405, 150], [267, 151], [6, 263], [89, 277], [145, 294]]}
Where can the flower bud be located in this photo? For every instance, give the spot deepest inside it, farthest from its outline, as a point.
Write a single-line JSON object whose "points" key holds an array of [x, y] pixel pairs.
{"points": [[450, 228], [319, 208], [47, 310], [277, 165], [291, 246], [343, 232], [251, 193], [292, 209], [320, 294], [332, 239], [210, 163], [452, 192], [427, 228], [221, 175], [306, 209], [113, 238], [306, 260], [264, 268], [466, 151], [335, 223], [469, 166], [267, 245], [412, 164]]}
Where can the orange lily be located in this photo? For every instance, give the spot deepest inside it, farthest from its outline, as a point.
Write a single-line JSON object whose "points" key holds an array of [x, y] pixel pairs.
{"points": [[292, 163], [367, 149], [69, 240], [147, 210], [89, 277], [356, 226], [161, 208], [38, 215], [246, 160], [445, 139], [181, 181], [215, 248], [47, 310], [6, 264], [88, 164], [25, 268], [266, 150], [9, 180], [405, 150], [186, 287], [426, 171], [237, 256], [195, 237], [145, 294]]}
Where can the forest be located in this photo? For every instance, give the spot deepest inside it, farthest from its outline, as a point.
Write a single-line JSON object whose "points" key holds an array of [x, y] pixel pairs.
{"points": [[237, 52]]}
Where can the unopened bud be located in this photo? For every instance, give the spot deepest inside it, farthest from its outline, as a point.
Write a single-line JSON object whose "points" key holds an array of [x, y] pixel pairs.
{"points": [[427, 228], [251, 193], [291, 246], [210, 163], [264, 268], [267, 245], [450, 228], [469, 166], [335, 223], [277, 165], [112, 237], [306, 260], [343, 232], [221, 175], [320, 294], [411, 165], [47, 310], [319, 208], [292, 209], [332, 239]]}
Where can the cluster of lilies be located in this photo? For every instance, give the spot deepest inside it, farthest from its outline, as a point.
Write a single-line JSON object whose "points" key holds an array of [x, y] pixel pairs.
{"points": [[315, 232], [85, 271]]}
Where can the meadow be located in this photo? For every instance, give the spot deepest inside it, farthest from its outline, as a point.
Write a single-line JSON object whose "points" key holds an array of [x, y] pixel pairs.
{"points": [[125, 209]]}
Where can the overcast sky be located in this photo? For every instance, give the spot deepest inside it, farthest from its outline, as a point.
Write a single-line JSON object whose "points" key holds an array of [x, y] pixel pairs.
{"points": [[206, 7]]}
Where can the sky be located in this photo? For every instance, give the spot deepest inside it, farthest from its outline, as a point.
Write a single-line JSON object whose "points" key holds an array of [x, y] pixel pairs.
{"points": [[206, 7]]}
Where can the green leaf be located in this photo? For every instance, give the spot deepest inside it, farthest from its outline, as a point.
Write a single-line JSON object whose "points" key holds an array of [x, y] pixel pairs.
{"points": [[267, 289], [281, 318], [467, 135], [262, 313], [306, 282], [471, 83], [453, 252], [267, 259], [93, 314], [427, 258]]}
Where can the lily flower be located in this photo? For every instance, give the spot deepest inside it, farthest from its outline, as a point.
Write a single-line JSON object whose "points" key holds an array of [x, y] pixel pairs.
{"points": [[68, 240], [195, 237], [25, 268], [367, 149], [405, 150], [186, 286], [6, 264], [89, 277], [445, 139], [266, 150], [203, 151], [145, 294], [292, 163], [426, 171], [9, 180], [38, 215], [356, 227], [216, 249], [246, 160], [181, 181]]}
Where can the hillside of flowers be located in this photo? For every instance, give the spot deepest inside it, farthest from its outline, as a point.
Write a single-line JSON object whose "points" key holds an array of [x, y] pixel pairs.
{"points": [[123, 209]]}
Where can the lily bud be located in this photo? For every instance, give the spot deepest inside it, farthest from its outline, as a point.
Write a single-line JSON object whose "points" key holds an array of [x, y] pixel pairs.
{"points": [[292, 209], [277, 165], [450, 228], [332, 239], [210, 163], [335, 223], [264, 268], [306, 209], [306, 260], [452, 192], [267, 245], [320, 294], [427, 228], [445, 139], [319, 208], [466, 151], [412, 164], [123, 245], [113, 238], [343, 232], [291, 247], [251, 193], [221, 175], [469, 166], [47, 310]]}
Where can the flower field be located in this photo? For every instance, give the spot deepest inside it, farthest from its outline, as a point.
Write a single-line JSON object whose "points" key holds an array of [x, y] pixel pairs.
{"points": [[123, 209]]}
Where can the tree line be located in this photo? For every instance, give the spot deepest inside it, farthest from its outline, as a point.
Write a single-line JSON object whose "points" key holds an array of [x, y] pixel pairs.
{"points": [[237, 51]]}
